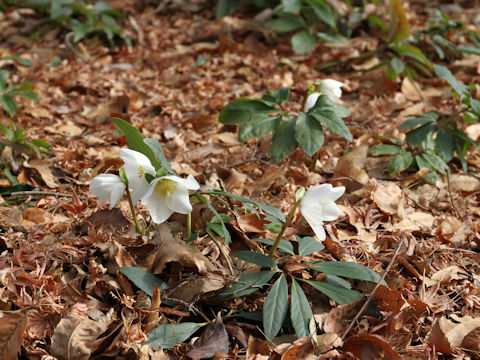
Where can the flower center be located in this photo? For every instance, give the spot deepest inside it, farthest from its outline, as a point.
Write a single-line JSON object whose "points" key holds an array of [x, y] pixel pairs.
{"points": [[165, 187], [141, 171]]}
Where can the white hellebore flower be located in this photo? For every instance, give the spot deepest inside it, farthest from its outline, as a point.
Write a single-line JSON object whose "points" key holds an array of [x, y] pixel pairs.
{"points": [[169, 194], [108, 187], [318, 205], [329, 87], [136, 166]]}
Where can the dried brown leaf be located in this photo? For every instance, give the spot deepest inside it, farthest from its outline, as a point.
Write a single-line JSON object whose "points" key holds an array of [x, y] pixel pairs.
{"points": [[213, 340], [12, 327]]}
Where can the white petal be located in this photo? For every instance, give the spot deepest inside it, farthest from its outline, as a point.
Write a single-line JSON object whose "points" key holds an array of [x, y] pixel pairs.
{"points": [[138, 189], [311, 101], [330, 211], [191, 183], [179, 201], [319, 231], [136, 166], [313, 213], [336, 193], [316, 194], [108, 187], [157, 206], [331, 88]]}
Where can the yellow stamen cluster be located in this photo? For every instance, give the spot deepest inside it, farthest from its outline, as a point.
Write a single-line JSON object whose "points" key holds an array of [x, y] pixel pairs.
{"points": [[165, 187], [141, 171]]}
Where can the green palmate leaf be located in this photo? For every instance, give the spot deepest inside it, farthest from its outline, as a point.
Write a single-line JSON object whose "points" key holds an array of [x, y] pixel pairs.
{"points": [[144, 280], [469, 50], [303, 42], [136, 141], [225, 232], [271, 210], [4, 75], [337, 293], [332, 38], [247, 284], [410, 51], [423, 119], [217, 228], [338, 281], [284, 245], [400, 161], [283, 24], [226, 7], [445, 144], [399, 27], [273, 227], [308, 133], [244, 110], [170, 335], [384, 149], [41, 143], [158, 151], [417, 136], [308, 245], [332, 122], [273, 97], [16, 188], [443, 72], [283, 142], [348, 269], [437, 162], [258, 128], [8, 104], [324, 104], [388, 138], [26, 94], [275, 307], [256, 258], [291, 5], [22, 61], [300, 311], [324, 12]]}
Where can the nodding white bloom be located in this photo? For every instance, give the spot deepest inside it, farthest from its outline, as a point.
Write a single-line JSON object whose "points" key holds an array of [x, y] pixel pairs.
{"points": [[136, 166], [169, 194], [108, 187], [318, 205], [329, 87]]}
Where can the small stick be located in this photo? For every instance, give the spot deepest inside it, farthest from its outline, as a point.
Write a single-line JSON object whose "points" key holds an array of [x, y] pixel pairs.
{"points": [[38, 192], [370, 296]]}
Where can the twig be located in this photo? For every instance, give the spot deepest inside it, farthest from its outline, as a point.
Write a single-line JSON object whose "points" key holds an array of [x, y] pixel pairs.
{"points": [[370, 296], [222, 252], [73, 48], [450, 195], [38, 192]]}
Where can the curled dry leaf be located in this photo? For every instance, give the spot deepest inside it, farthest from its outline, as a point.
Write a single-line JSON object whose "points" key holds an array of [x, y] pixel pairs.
{"points": [[12, 327], [213, 340], [43, 168], [339, 317], [388, 197], [257, 347], [370, 347], [73, 337], [301, 349], [192, 288], [352, 165]]}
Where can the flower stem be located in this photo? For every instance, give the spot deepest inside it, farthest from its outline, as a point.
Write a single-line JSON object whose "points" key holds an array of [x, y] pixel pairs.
{"points": [[284, 227], [189, 225], [138, 227]]}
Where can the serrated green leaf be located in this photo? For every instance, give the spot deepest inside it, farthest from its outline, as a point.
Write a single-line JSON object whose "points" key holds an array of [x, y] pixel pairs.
{"points": [[4, 75], [291, 5], [256, 258], [308, 133], [469, 50], [244, 110], [41, 143], [419, 135], [412, 52], [337, 293], [142, 279], [384, 149], [348, 269], [282, 25], [284, 245], [300, 311], [283, 142], [400, 161], [275, 307], [338, 281], [226, 234], [445, 144], [8, 104], [332, 122], [397, 65], [160, 155], [258, 128], [443, 72], [273, 227], [170, 335], [437, 163], [308, 245], [217, 228], [324, 12], [418, 120], [247, 284], [226, 7], [136, 142], [21, 61], [303, 42]]}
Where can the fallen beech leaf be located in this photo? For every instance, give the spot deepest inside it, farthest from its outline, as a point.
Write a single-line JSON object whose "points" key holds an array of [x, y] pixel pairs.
{"points": [[10, 216], [171, 249], [370, 347], [353, 166], [386, 299], [467, 183], [449, 273], [326, 341], [388, 197], [34, 215], [411, 89], [73, 337], [338, 318], [257, 347], [43, 168], [251, 223], [213, 340], [188, 290], [12, 327], [301, 349]]}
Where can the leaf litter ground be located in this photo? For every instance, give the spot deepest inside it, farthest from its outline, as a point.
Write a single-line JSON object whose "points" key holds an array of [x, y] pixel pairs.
{"points": [[61, 292]]}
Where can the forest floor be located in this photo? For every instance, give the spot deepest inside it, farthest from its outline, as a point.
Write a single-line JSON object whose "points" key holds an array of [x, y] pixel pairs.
{"points": [[61, 292]]}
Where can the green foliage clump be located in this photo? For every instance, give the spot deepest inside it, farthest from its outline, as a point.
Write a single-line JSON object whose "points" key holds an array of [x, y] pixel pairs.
{"points": [[433, 138], [260, 117]]}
